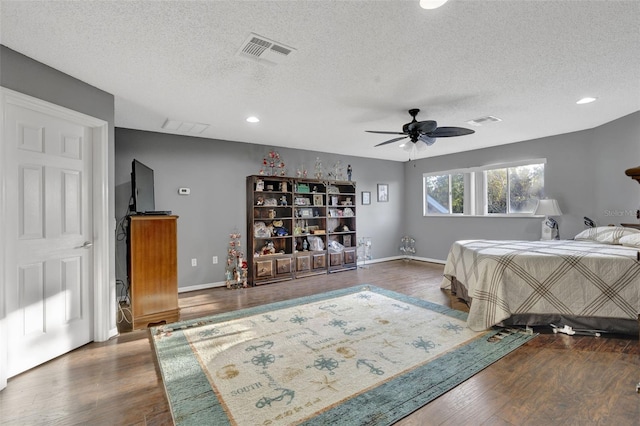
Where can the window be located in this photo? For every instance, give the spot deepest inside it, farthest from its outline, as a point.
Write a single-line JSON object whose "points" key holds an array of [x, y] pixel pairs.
{"points": [[514, 189], [505, 189], [444, 194]]}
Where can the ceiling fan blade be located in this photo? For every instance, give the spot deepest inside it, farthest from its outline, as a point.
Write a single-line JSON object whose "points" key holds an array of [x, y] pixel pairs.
{"points": [[423, 127], [427, 140], [447, 132], [392, 140], [385, 133]]}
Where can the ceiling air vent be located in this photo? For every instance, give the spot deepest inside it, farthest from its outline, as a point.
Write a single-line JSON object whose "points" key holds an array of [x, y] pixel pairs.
{"points": [[264, 50], [484, 120], [184, 127]]}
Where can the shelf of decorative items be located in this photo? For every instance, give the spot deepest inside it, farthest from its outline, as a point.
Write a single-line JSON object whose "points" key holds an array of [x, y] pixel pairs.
{"points": [[298, 227], [341, 225]]}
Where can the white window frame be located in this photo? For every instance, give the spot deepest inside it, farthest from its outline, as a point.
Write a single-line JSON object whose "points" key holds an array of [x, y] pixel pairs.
{"points": [[475, 189]]}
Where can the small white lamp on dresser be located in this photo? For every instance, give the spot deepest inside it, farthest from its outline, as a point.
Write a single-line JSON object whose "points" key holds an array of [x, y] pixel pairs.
{"points": [[550, 229]]}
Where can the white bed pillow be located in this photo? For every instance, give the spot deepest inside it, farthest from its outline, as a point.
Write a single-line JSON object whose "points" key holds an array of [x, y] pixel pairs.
{"points": [[606, 234], [631, 240]]}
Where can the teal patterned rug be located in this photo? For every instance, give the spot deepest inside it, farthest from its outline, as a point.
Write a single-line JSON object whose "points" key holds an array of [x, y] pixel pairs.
{"points": [[357, 356]]}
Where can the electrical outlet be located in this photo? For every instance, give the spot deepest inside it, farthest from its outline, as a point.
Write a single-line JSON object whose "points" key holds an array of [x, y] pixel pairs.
{"points": [[194, 262], [215, 260]]}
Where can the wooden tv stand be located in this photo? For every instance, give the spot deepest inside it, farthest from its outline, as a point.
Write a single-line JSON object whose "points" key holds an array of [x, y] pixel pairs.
{"points": [[153, 270]]}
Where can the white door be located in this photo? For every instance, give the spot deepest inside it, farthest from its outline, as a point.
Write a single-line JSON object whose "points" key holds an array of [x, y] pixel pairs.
{"points": [[49, 262]]}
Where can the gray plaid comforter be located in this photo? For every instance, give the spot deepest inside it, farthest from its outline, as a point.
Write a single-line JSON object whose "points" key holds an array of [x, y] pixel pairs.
{"points": [[566, 277]]}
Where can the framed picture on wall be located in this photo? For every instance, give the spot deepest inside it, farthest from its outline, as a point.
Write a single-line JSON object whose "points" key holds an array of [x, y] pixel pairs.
{"points": [[366, 198], [383, 192]]}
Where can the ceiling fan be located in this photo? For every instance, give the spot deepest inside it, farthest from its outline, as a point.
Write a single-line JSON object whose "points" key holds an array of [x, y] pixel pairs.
{"points": [[424, 131]]}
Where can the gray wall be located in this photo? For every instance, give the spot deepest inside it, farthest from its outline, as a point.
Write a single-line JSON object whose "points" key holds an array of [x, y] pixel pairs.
{"points": [[215, 171], [23, 74], [584, 172], [616, 147]]}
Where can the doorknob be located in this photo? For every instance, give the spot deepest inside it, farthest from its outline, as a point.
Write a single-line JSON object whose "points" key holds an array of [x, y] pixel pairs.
{"points": [[87, 244]]}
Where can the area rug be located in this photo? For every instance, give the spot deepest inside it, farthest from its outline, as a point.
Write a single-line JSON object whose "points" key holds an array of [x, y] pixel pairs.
{"points": [[357, 356]]}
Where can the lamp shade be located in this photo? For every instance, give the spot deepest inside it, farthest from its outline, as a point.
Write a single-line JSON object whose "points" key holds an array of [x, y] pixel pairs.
{"points": [[548, 207]]}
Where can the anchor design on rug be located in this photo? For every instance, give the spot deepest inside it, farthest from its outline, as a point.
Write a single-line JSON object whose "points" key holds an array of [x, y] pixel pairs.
{"points": [[372, 368], [265, 400], [265, 344], [353, 330], [421, 344], [343, 326], [329, 308], [270, 318]]}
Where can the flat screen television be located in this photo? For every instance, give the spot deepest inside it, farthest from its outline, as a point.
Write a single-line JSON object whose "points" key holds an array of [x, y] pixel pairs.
{"points": [[142, 191]]}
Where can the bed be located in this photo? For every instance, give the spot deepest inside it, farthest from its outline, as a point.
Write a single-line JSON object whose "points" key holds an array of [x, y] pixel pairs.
{"points": [[584, 283]]}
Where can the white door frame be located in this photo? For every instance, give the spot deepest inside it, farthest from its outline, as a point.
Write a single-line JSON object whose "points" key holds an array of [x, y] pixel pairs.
{"points": [[104, 301]]}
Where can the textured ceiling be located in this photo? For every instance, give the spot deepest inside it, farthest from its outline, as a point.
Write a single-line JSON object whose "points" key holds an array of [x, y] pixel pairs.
{"points": [[358, 65]]}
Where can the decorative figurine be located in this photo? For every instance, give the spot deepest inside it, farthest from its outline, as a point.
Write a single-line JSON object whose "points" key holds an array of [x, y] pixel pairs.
{"points": [[336, 174], [273, 162], [349, 171], [236, 270], [301, 172], [319, 170]]}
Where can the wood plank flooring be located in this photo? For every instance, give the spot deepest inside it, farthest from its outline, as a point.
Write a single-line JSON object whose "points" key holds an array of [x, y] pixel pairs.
{"points": [[553, 379]]}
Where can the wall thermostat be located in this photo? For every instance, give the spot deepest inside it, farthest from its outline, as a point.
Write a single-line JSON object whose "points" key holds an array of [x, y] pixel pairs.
{"points": [[184, 191]]}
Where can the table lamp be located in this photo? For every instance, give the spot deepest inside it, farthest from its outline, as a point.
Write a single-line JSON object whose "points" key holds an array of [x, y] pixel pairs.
{"points": [[550, 229]]}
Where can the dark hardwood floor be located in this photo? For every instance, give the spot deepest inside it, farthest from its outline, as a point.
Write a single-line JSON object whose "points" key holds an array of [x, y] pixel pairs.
{"points": [[553, 379]]}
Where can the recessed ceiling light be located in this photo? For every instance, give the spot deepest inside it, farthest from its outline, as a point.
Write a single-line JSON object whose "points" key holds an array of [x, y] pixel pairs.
{"points": [[253, 119], [586, 100], [431, 4]]}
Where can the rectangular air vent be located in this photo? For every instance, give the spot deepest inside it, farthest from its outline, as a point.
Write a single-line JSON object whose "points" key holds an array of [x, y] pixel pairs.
{"points": [[184, 127], [484, 120], [264, 50]]}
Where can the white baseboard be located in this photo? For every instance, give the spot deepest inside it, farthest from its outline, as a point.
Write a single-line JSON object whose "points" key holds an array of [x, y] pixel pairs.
{"points": [[361, 263], [387, 259], [427, 259], [201, 286], [380, 260]]}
